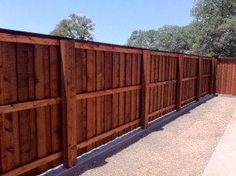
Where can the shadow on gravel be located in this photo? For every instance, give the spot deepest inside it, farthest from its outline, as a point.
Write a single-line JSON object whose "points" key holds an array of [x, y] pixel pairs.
{"points": [[97, 157], [101, 161]]}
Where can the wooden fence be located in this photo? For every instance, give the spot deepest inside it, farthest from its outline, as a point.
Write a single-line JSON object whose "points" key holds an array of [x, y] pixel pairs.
{"points": [[226, 76], [60, 98]]}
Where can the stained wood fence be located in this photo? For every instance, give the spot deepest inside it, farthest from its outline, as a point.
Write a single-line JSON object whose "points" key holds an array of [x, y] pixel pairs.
{"points": [[60, 98], [226, 76]]}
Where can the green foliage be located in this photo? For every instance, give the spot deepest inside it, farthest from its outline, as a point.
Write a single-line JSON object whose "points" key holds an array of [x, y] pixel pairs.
{"points": [[213, 31], [215, 23], [76, 27], [169, 38]]}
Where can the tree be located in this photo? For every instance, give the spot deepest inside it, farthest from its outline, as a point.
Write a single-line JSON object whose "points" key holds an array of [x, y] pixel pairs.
{"points": [[76, 27], [169, 38], [212, 32], [144, 39], [215, 27]]}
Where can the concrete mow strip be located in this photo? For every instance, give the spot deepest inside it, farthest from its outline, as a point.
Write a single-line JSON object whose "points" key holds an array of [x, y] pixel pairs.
{"points": [[223, 160]]}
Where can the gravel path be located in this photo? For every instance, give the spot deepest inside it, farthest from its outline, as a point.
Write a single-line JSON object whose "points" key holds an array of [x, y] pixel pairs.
{"points": [[182, 148]]}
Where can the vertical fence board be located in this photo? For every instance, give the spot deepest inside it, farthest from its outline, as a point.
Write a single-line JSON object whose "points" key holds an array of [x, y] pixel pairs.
{"points": [[9, 152], [115, 97], [122, 95], [55, 91], [100, 72], [91, 103], [108, 99], [41, 59], [199, 80], [28, 141]]}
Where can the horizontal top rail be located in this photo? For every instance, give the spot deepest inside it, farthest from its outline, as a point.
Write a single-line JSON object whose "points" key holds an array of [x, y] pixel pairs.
{"points": [[27, 39]]}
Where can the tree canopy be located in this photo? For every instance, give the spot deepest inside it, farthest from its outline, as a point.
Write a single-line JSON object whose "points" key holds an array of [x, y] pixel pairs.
{"points": [[213, 31], [76, 27], [170, 38]]}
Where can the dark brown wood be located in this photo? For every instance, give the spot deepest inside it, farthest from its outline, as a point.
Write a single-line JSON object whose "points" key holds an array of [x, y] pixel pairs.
{"points": [[43, 116], [212, 76], [216, 75], [10, 122], [1, 143], [160, 111], [55, 110], [107, 48], [199, 73], [91, 102], [225, 79], [179, 83], [29, 105], [145, 88], [68, 102], [34, 164], [106, 92], [27, 39], [162, 83], [25, 90]]}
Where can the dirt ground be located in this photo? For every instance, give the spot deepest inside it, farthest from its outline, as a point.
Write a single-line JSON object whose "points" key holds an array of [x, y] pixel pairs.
{"points": [[181, 148]]}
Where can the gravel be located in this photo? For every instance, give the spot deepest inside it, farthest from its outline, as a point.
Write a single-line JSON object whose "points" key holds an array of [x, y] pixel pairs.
{"points": [[181, 148]]}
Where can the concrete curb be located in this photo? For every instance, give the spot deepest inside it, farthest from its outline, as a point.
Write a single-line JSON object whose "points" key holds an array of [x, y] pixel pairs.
{"points": [[124, 140], [223, 159]]}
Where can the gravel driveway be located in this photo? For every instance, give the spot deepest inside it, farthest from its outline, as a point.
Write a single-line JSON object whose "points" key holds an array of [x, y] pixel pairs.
{"points": [[181, 148]]}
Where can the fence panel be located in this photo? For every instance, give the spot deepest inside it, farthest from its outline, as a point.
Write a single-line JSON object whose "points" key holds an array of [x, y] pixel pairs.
{"points": [[108, 95], [190, 71], [60, 98], [205, 76], [29, 73], [226, 76], [163, 81]]}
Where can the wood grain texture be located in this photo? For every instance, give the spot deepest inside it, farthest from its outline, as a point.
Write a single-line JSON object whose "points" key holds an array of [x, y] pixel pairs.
{"points": [[226, 76], [69, 102]]}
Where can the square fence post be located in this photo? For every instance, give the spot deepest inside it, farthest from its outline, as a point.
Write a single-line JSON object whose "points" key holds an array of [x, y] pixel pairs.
{"points": [[179, 82], [213, 75], [67, 48], [199, 74], [145, 88]]}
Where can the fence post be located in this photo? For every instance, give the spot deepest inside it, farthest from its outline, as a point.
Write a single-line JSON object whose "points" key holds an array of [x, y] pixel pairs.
{"points": [[1, 143], [213, 75], [216, 61], [145, 88], [68, 102], [179, 82], [199, 72]]}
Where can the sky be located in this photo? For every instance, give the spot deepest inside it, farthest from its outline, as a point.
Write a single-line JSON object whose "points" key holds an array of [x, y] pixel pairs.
{"points": [[114, 19]]}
